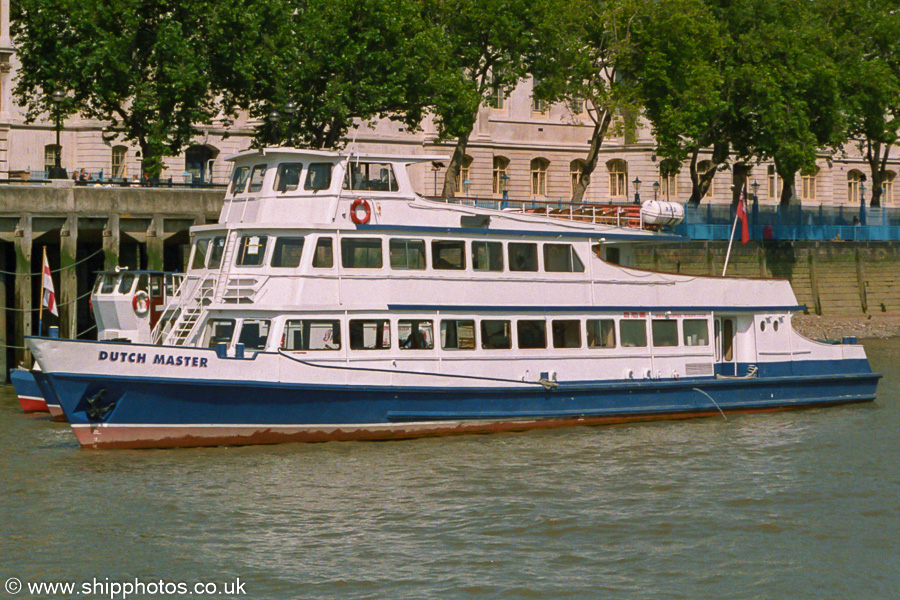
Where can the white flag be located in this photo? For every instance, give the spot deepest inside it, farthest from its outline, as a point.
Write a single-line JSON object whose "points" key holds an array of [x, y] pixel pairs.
{"points": [[49, 299]]}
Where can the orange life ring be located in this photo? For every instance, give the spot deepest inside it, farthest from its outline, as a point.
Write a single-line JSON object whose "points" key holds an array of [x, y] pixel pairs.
{"points": [[358, 204], [141, 303]]}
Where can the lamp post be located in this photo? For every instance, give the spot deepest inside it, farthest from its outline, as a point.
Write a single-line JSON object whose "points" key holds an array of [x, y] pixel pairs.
{"points": [[290, 109], [435, 167], [504, 186], [466, 186], [862, 204], [655, 190], [57, 172], [637, 190], [273, 117]]}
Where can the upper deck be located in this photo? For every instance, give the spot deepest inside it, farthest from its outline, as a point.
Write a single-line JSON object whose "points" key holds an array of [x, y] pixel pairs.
{"points": [[285, 187]]}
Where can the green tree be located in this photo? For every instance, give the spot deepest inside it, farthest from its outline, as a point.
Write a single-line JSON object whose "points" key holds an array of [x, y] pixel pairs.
{"points": [[868, 56], [140, 66]]}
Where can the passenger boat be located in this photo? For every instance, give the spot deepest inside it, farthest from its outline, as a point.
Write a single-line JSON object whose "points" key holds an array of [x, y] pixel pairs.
{"points": [[331, 302], [126, 305]]}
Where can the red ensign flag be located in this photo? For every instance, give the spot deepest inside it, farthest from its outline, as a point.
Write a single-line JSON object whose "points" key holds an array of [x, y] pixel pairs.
{"points": [[49, 299], [745, 224]]}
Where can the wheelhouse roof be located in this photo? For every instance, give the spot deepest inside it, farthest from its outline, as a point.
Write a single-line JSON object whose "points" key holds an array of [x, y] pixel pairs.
{"points": [[335, 156]]}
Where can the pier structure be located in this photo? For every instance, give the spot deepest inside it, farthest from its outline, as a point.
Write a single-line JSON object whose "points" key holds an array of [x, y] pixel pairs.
{"points": [[85, 230]]}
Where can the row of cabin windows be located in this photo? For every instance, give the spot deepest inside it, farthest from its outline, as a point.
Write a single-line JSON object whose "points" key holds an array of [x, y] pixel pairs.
{"points": [[404, 254], [460, 334], [359, 176]]}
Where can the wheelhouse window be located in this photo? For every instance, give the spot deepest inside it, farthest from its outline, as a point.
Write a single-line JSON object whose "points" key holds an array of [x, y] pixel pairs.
{"points": [[532, 334], [318, 176], [365, 176], [251, 250], [562, 258], [254, 334], [106, 284], [127, 283], [448, 255], [566, 333], [309, 335], [496, 335], [218, 331], [633, 333], [216, 249], [487, 256], [407, 254], [696, 332], [361, 253], [200, 249], [522, 256], [287, 178], [601, 333], [287, 252], [323, 257], [256, 178], [415, 335], [458, 334], [239, 179], [665, 332], [370, 334]]}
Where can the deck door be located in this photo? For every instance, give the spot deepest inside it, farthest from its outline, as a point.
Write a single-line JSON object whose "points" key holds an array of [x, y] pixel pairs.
{"points": [[725, 351]]}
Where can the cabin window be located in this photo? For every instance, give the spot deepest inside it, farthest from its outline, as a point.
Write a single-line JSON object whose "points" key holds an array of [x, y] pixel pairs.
{"points": [[601, 333], [216, 249], [567, 333], [218, 331], [665, 332], [562, 258], [407, 254], [251, 250], [532, 334], [458, 335], [523, 257], [696, 332], [199, 260], [254, 334], [287, 252], [318, 176], [239, 179], [312, 335], [109, 284], [172, 283], [448, 255], [323, 258], [287, 179], [487, 256], [415, 335], [495, 335], [127, 283], [156, 287], [361, 253], [370, 334], [633, 333], [256, 178], [364, 176]]}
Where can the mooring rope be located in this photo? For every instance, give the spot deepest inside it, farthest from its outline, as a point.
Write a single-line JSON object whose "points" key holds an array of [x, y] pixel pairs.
{"points": [[72, 266]]}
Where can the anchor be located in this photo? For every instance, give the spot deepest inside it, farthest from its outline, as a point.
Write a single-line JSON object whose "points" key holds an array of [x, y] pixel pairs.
{"points": [[95, 411]]}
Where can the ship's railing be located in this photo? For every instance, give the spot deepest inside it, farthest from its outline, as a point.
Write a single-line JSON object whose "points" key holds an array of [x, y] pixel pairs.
{"points": [[618, 215], [193, 292]]}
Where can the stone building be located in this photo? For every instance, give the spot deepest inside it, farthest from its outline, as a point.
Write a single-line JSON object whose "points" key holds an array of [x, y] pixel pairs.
{"points": [[528, 148]]}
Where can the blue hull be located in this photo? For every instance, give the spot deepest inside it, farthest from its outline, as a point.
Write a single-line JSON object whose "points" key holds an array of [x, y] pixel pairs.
{"points": [[49, 394], [154, 412], [27, 390]]}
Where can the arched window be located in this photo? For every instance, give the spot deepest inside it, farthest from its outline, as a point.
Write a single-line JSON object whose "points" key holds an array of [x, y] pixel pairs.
{"points": [[854, 178], [198, 161], [119, 155], [539, 167], [50, 152], [810, 179], [703, 168], [459, 184], [887, 187], [618, 179], [576, 168], [500, 178], [668, 179]]}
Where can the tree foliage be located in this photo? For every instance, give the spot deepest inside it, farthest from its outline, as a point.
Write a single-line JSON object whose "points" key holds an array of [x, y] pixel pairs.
{"points": [[141, 66]]}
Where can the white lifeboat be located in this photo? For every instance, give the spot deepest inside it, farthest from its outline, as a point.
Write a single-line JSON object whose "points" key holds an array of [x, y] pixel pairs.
{"points": [[657, 212]]}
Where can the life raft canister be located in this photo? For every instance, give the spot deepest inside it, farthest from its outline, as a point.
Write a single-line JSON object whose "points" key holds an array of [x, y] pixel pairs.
{"points": [[360, 213], [141, 303]]}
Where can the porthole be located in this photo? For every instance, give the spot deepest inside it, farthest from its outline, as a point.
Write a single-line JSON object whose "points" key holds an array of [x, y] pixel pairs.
{"points": [[775, 326], [762, 325]]}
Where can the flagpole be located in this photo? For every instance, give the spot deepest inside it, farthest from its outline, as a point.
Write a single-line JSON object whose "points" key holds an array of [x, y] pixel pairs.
{"points": [[41, 309], [730, 241]]}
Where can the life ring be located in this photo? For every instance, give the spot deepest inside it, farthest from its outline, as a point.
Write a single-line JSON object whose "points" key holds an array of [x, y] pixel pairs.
{"points": [[141, 303], [358, 204]]}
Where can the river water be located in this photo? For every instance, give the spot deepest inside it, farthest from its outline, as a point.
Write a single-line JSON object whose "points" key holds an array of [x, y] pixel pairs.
{"points": [[790, 506]]}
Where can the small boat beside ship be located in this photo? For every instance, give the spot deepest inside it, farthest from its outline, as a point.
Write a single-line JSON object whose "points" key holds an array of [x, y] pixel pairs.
{"points": [[331, 302]]}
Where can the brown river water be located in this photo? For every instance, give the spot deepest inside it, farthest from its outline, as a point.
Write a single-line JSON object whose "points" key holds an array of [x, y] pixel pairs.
{"points": [[790, 505]]}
